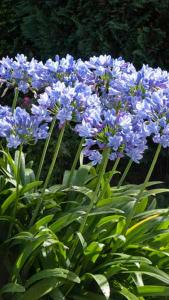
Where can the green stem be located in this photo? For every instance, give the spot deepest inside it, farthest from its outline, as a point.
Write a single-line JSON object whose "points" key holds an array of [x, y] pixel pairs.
{"points": [[125, 173], [15, 99], [110, 176], [60, 137], [17, 189], [133, 211], [114, 169], [94, 199], [58, 144], [75, 162], [45, 149]]}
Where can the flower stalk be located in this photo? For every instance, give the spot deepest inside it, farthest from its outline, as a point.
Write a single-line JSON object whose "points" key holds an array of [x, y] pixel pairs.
{"points": [[133, 211], [15, 99], [125, 173], [56, 151], [17, 189], [110, 176], [94, 199], [114, 169], [45, 149], [74, 165]]}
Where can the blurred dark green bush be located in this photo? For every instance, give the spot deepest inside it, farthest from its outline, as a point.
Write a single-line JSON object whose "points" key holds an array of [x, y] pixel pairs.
{"points": [[135, 29]]}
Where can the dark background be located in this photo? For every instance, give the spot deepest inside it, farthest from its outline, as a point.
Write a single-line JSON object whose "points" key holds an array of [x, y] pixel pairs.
{"points": [[138, 30]]}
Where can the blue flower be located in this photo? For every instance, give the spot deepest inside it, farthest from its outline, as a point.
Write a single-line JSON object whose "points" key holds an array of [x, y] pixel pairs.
{"points": [[115, 142], [94, 156]]}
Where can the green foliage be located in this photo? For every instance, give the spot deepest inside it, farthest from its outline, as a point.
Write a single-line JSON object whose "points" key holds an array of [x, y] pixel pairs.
{"points": [[54, 259]]}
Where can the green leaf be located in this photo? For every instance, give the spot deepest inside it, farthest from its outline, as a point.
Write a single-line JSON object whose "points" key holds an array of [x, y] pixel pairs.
{"points": [[57, 273], [89, 296], [2, 182], [141, 206], [40, 289], [29, 176], [80, 176], [11, 220], [12, 288], [127, 294], [57, 295], [123, 260], [27, 251], [109, 219], [66, 177], [115, 201], [22, 165], [8, 202], [102, 282], [28, 187], [24, 235], [11, 163], [43, 221], [150, 271], [152, 212], [137, 231], [66, 220], [105, 211], [156, 191], [151, 290], [93, 251], [22, 190], [82, 240], [80, 189]]}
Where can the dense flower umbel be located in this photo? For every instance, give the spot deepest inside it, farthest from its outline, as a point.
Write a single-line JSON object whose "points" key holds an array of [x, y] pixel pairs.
{"points": [[113, 122], [110, 103], [20, 127]]}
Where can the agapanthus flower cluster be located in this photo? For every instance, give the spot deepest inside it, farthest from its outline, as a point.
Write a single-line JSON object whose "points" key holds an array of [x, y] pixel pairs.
{"points": [[107, 102], [35, 75], [19, 127]]}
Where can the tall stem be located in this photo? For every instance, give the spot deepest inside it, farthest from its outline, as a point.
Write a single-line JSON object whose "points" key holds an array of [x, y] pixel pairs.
{"points": [[45, 149], [94, 199], [75, 162], [114, 169], [17, 189], [58, 144], [125, 173], [110, 176], [16, 93], [133, 211]]}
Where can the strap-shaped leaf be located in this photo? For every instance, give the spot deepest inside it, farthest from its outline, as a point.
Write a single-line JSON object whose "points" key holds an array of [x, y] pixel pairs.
{"points": [[127, 294], [102, 282], [65, 220], [40, 289], [12, 288], [153, 290], [150, 271], [57, 273], [43, 221]]}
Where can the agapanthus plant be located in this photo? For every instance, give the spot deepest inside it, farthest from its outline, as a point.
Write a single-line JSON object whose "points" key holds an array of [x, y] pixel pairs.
{"points": [[115, 109]]}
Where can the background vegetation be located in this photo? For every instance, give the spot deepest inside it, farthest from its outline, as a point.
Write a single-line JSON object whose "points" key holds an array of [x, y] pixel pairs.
{"points": [[135, 29]]}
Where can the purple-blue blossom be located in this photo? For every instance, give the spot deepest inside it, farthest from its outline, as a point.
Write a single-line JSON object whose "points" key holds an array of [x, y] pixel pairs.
{"points": [[20, 127], [107, 101]]}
